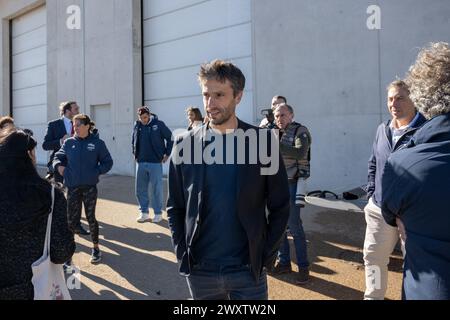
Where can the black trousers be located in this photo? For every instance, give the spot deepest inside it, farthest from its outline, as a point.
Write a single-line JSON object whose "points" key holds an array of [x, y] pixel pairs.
{"points": [[76, 197]]}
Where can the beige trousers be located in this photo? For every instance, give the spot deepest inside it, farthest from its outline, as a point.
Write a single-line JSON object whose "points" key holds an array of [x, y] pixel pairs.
{"points": [[379, 243]]}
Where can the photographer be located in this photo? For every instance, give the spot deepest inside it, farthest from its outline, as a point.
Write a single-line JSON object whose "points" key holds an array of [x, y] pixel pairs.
{"points": [[269, 121]]}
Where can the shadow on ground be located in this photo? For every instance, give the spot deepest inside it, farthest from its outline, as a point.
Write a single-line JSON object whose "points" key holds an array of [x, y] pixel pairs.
{"points": [[136, 264], [132, 260], [337, 235]]}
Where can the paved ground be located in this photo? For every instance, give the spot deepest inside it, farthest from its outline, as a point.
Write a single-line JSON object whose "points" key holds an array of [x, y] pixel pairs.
{"points": [[138, 261]]}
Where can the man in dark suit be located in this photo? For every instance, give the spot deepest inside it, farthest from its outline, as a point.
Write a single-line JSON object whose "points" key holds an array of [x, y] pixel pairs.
{"points": [[222, 235], [59, 131]]}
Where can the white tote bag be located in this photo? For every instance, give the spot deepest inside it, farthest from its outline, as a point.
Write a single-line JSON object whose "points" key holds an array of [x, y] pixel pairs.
{"points": [[48, 278]]}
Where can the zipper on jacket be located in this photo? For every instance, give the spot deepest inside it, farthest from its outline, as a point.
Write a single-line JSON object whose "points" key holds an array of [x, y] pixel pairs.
{"points": [[396, 145], [80, 157], [403, 135], [387, 126]]}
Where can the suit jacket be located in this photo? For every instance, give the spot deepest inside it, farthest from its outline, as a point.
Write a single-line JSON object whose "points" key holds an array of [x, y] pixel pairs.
{"points": [[56, 130], [255, 192]]}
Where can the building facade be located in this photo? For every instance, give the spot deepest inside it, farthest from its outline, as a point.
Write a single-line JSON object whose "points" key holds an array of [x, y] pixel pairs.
{"points": [[331, 59]]}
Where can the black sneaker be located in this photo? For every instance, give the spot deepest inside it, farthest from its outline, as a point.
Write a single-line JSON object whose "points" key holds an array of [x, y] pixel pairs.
{"points": [[81, 231], [302, 277], [280, 269], [96, 256]]}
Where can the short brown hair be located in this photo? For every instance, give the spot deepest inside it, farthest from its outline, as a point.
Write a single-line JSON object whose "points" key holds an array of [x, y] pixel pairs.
{"points": [[222, 71], [285, 105], [399, 84], [65, 106], [143, 110], [280, 98]]}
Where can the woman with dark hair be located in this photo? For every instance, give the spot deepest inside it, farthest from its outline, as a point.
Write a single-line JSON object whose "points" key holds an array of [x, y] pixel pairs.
{"points": [[81, 160], [25, 203], [194, 117]]}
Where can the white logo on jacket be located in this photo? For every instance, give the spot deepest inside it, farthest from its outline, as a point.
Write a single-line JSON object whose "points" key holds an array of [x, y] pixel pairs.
{"points": [[91, 147]]}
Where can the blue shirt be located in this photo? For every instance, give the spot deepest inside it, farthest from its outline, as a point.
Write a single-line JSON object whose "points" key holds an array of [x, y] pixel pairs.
{"points": [[221, 238], [68, 124]]}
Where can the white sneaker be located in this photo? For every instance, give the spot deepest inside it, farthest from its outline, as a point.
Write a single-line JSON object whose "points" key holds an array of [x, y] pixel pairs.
{"points": [[143, 218], [158, 218]]}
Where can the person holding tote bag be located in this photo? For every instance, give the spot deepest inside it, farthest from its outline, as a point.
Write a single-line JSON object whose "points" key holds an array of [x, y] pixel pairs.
{"points": [[48, 278], [25, 205]]}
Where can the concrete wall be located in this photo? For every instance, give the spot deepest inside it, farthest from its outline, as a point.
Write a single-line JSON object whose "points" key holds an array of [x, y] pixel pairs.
{"points": [[29, 74], [334, 71], [318, 53], [182, 34], [99, 66]]}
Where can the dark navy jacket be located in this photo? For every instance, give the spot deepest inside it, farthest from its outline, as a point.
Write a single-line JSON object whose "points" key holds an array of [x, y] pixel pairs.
{"points": [[254, 193], [381, 150], [56, 130], [85, 160], [416, 188], [161, 139]]}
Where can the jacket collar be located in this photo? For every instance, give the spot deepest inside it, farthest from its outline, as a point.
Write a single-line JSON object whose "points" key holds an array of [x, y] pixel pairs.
{"points": [[203, 129], [414, 125], [153, 118]]}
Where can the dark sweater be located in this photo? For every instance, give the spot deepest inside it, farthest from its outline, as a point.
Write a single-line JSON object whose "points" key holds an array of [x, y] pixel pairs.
{"points": [[25, 202]]}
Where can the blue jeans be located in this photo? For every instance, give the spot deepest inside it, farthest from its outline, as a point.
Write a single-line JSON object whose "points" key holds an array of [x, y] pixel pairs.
{"points": [[149, 174], [296, 229], [208, 282]]}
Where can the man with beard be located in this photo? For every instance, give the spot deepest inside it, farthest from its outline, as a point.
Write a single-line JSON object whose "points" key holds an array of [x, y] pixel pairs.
{"points": [[217, 212]]}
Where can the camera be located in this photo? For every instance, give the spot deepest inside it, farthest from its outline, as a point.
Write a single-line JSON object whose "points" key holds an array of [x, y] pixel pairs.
{"points": [[267, 112]]}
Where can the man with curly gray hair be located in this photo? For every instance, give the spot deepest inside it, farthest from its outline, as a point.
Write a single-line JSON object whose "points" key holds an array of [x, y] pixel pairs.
{"points": [[416, 184]]}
